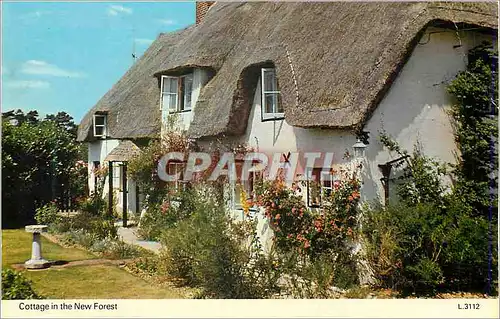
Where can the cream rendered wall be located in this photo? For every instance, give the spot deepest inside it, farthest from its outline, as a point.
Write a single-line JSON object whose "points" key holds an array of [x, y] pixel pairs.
{"points": [[414, 109], [279, 137], [97, 151]]}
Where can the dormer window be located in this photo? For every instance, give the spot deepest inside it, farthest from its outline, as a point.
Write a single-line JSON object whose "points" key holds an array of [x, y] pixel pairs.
{"points": [[176, 93], [99, 125], [271, 101]]}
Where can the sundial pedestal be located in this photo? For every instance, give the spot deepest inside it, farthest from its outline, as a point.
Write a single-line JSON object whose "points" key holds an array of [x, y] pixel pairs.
{"points": [[36, 261]]}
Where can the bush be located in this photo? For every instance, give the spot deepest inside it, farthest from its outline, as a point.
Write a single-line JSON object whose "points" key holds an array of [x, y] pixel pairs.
{"points": [[47, 214], [170, 208], [206, 249], [120, 250], [16, 286], [431, 239], [100, 227], [305, 277]]}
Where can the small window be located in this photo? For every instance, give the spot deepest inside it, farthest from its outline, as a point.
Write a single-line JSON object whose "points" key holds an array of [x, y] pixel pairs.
{"points": [[320, 185], [174, 168], [271, 101], [176, 94], [99, 125], [247, 186]]}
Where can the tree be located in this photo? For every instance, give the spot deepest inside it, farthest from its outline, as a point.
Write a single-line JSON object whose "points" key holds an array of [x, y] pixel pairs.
{"points": [[38, 158]]}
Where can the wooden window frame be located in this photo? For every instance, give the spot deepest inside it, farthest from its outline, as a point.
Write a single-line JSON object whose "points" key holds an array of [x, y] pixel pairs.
{"points": [[276, 114]]}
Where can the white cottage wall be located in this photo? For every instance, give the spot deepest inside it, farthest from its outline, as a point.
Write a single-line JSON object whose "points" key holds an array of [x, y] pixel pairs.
{"points": [[415, 107], [97, 151]]}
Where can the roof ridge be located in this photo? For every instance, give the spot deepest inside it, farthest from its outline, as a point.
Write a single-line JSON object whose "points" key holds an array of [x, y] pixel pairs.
{"points": [[461, 10]]}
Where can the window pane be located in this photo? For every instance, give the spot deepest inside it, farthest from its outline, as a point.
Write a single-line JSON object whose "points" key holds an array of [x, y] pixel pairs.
{"points": [[99, 131], [99, 120], [169, 102], [237, 194], [270, 83], [270, 100], [314, 193], [170, 85], [188, 89]]}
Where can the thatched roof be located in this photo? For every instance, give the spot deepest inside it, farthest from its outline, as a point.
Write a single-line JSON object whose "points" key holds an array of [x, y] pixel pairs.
{"points": [[124, 152], [334, 62], [132, 104]]}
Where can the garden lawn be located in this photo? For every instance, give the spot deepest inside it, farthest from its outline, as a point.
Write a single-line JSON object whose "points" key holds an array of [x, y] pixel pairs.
{"points": [[96, 282], [80, 282], [16, 249]]}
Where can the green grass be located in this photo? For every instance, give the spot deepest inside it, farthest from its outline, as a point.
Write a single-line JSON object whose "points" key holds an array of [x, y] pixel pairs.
{"points": [[16, 249], [79, 282], [99, 282]]}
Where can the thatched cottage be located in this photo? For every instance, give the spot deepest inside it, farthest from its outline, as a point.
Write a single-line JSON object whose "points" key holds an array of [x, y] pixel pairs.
{"points": [[295, 77]]}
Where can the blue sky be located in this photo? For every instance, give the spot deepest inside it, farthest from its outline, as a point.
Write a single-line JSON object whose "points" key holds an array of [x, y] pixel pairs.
{"points": [[59, 56]]}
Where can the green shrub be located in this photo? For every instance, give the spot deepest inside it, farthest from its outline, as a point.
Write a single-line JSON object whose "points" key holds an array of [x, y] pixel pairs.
{"points": [[47, 214], [170, 208], [100, 227], [120, 250], [206, 249], [431, 239], [94, 205], [16, 286]]}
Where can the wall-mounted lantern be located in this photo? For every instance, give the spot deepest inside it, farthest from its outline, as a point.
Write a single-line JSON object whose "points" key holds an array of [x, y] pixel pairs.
{"points": [[359, 149]]}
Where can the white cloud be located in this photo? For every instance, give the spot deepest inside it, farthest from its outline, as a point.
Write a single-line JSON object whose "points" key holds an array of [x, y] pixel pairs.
{"points": [[144, 41], [27, 84], [116, 9], [44, 68], [167, 21]]}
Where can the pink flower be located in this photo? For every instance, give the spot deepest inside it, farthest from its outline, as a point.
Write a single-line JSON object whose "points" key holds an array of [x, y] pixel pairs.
{"points": [[307, 244]]}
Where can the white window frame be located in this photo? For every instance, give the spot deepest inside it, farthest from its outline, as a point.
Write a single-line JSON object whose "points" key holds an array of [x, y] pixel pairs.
{"points": [[177, 108], [275, 114], [325, 175], [104, 126]]}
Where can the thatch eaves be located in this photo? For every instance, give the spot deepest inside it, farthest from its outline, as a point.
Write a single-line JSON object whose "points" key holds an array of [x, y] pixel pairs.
{"points": [[124, 152], [334, 61]]}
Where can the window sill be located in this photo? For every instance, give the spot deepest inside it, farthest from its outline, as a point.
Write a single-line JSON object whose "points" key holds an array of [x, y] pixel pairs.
{"points": [[177, 112], [269, 119], [251, 209]]}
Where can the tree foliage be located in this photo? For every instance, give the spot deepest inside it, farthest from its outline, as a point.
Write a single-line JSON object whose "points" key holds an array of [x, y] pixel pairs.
{"points": [[39, 159]]}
